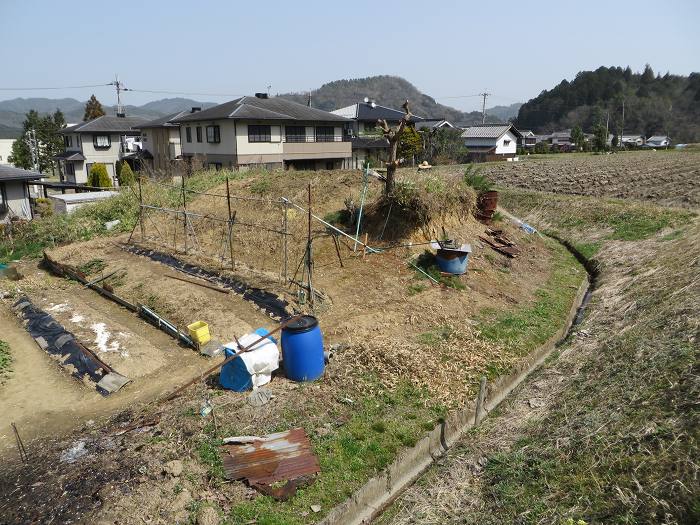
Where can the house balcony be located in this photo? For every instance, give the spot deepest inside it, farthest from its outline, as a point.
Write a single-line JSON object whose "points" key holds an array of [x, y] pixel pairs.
{"points": [[326, 147]]}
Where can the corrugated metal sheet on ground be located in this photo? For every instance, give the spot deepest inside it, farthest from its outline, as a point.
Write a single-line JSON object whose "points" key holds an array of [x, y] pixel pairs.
{"points": [[267, 459]]}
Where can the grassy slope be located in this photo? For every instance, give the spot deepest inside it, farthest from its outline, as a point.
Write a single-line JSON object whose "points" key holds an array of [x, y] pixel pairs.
{"points": [[383, 421], [621, 444]]}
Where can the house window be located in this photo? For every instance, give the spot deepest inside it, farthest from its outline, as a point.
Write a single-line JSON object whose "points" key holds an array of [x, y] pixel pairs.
{"points": [[295, 133], [79, 141], [506, 142], [188, 134], [68, 141], [101, 141], [213, 134], [199, 133], [70, 168], [259, 134], [324, 133]]}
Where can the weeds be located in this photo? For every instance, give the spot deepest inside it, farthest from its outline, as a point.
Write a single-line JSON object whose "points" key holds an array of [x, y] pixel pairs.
{"points": [[473, 178], [92, 266], [5, 361]]}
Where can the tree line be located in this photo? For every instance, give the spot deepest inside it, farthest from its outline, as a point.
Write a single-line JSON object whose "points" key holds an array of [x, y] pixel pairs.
{"points": [[43, 133], [653, 104]]}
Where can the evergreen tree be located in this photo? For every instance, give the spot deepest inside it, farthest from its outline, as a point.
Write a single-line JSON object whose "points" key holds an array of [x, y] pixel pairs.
{"points": [[93, 109], [410, 144], [578, 138], [126, 175], [21, 153], [99, 177], [600, 140]]}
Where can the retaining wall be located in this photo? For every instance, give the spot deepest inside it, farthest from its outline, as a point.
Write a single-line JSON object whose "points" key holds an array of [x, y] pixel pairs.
{"points": [[380, 491]]}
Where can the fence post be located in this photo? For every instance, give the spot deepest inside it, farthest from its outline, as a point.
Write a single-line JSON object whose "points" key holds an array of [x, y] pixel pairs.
{"points": [[285, 219], [230, 223], [184, 210]]}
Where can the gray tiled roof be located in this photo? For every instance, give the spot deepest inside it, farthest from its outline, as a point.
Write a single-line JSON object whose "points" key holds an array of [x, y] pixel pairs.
{"points": [[364, 112], [8, 172], [106, 124], [162, 122], [489, 131], [253, 108]]}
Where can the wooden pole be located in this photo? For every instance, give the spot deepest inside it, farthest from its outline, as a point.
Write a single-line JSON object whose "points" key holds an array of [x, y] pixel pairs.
{"points": [[479, 413], [230, 223], [184, 209], [309, 260], [143, 231], [364, 247], [284, 246]]}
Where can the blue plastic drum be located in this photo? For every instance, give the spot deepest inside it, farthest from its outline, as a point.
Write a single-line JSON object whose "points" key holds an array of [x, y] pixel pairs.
{"points": [[302, 349]]}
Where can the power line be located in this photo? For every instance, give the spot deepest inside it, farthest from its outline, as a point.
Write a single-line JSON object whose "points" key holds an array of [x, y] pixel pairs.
{"points": [[46, 88], [461, 96], [180, 93]]}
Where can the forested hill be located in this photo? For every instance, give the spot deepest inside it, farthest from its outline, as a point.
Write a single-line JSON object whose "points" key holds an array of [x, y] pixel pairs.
{"points": [[654, 104], [387, 91]]}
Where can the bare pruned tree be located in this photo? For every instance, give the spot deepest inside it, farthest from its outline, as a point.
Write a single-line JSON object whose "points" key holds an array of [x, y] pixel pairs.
{"points": [[393, 135]]}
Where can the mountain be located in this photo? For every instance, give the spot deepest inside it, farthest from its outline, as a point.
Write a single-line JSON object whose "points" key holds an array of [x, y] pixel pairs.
{"points": [[654, 104], [386, 90], [12, 112], [504, 113]]}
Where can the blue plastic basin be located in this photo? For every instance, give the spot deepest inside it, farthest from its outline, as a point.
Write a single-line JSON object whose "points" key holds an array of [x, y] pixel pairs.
{"points": [[452, 262], [302, 349]]}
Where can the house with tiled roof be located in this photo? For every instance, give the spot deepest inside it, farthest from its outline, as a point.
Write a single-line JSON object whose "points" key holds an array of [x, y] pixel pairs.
{"points": [[264, 131], [106, 140], [487, 142]]}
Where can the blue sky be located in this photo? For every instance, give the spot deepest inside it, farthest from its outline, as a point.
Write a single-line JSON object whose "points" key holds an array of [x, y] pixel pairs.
{"points": [[446, 48]]}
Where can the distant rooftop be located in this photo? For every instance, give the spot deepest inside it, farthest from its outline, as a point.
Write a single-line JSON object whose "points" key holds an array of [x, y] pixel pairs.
{"points": [[255, 108], [8, 172], [371, 112], [489, 131], [106, 124]]}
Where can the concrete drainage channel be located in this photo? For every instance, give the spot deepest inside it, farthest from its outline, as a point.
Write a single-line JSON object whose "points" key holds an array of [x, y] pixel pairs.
{"points": [[378, 493]]}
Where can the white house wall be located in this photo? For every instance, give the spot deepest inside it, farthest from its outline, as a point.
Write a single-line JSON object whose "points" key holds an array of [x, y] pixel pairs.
{"points": [[227, 135], [507, 144], [17, 200], [5, 150]]}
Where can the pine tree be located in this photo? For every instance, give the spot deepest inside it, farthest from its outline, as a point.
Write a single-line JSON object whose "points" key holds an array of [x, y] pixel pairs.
{"points": [[126, 176], [93, 109], [99, 178]]}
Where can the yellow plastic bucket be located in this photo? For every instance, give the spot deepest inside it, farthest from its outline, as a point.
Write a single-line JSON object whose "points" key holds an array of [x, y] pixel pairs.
{"points": [[199, 332]]}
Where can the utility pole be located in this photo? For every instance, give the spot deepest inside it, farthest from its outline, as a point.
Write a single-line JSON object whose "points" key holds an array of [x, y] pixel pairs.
{"points": [[483, 106], [268, 90], [119, 87], [33, 148]]}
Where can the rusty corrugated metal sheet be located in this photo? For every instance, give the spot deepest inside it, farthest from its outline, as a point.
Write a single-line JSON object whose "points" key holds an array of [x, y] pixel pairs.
{"points": [[268, 459]]}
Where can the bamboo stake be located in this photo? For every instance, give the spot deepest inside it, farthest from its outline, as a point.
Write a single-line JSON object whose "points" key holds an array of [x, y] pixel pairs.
{"points": [[205, 285], [184, 209], [230, 224], [309, 260], [143, 230]]}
